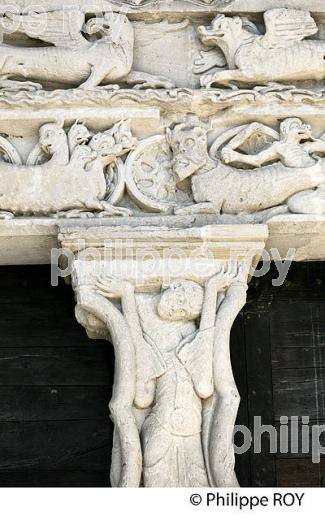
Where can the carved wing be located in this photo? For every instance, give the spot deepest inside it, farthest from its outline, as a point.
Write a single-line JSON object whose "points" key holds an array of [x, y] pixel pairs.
{"points": [[285, 27], [61, 28]]}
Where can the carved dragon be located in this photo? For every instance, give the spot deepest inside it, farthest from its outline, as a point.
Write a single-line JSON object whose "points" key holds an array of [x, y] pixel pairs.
{"points": [[251, 169], [247, 56], [82, 53], [64, 174]]}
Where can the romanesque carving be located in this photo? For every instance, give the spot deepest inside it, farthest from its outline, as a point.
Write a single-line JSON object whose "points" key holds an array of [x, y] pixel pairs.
{"points": [[174, 401], [248, 56], [247, 170], [67, 173], [250, 168], [179, 369], [82, 53]]}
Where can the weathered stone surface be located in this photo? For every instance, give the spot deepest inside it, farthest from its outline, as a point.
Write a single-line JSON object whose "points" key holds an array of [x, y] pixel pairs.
{"points": [[174, 400]]}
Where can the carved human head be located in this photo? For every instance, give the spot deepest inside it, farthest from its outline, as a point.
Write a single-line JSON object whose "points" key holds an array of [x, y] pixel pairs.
{"points": [[190, 149], [294, 128], [78, 135], [221, 28], [52, 137], [183, 300]]}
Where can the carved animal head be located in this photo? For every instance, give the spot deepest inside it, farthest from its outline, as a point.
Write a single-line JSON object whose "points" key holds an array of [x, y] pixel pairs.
{"points": [[189, 145], [183, 300], [295, 130], [78, 135], [113, 27], [221, 29], [52, 138]]}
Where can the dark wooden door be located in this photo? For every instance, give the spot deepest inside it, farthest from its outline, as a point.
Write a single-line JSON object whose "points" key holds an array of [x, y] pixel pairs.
{"points": [[282, 374]]}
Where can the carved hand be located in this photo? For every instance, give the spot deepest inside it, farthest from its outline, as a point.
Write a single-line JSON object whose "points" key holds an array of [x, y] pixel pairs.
{"points": [[228, 155], [225, 277], [112, 287]]}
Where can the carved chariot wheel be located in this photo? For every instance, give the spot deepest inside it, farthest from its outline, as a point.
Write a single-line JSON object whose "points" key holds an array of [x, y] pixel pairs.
{"points": [[149, 178], [8, 152]]}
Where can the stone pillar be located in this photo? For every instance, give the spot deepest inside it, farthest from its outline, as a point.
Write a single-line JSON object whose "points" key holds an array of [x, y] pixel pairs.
{"points": [[167, 298]]}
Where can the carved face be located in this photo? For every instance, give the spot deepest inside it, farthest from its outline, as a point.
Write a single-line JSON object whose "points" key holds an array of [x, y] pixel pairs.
{"points": [[221, 28], [113, 26], [52, 137], [78, 135], [294, 128], [183, 300], [189, 146]]}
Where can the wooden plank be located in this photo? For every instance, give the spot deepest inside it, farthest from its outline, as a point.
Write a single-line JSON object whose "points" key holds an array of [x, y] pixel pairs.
{"points": [[40, 325], [54, 403], [299, 391], [54, 478], [42, 445], [260, 400], [52, 366], [300, 473], [312, 440]]}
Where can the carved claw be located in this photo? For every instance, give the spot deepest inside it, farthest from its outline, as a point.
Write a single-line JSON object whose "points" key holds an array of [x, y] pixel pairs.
{"points": [[109, 87], [109, 210], [157, 82], [73, 213], [207, 80]]}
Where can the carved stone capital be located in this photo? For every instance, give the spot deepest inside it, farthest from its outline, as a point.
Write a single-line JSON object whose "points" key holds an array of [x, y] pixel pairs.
{"points": [[167, 299]]}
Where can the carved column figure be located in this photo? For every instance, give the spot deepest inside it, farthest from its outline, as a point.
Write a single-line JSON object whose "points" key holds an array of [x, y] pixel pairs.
{"points": [[167, 299]]}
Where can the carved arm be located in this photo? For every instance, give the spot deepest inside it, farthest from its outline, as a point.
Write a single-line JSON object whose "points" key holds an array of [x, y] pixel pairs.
{"points": [[124, 384], [229, 153], [220, 445]]}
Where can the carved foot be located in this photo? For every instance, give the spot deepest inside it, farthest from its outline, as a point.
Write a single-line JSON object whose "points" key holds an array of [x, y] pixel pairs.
{"points": [[73, 213], [158, 82], [18, 86], [109, 87], [6, 215], [142, 80], [196, 209], [110, 211]]}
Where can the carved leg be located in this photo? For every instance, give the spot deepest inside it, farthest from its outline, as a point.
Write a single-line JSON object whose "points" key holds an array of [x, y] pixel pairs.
{"points": [[142, 80], [109, 210], [223, 78], [202, 207], [310, 202], [97, 75]]}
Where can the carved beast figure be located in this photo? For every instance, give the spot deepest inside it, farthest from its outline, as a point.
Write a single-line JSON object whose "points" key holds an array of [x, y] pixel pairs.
{"points": [[65, 174], [229, 181], [104, 57], [252, 57]]}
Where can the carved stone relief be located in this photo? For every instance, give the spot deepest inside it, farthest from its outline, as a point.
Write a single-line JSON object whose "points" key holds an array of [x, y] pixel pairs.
{"points": [[165, 120], [174, 400], [251, 169]]}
